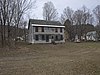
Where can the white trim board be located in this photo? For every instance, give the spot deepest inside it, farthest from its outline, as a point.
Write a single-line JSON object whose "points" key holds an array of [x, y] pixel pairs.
{"points": [[47, 25]]}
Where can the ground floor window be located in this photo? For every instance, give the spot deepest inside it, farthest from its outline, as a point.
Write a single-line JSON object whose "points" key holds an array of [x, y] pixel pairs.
{"points": [[47, 37], [36, 37], [61, 37], [40, 37], [56, 38], [43, 37]]}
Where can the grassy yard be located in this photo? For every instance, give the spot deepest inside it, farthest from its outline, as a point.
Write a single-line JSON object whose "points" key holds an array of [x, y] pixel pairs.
{"points": [[48, 59]]}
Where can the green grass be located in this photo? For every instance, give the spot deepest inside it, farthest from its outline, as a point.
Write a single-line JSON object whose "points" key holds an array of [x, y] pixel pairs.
{"points": [[48, 59]]}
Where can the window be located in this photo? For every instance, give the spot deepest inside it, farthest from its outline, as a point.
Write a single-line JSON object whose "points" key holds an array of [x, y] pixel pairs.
{"points": [[43, 37], [56, 30], [42, 29], [61, 37], [36, 37], [56, 38], [60, 29], [36, 29], [46, 29], [53, 29]]}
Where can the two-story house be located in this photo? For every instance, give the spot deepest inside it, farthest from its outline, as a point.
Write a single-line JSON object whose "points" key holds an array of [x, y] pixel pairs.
{"points": [[41, 31]]}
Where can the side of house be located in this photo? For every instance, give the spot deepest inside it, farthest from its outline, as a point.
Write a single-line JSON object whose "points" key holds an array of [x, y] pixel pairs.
{"points": [[41, 31], [92, 36]]}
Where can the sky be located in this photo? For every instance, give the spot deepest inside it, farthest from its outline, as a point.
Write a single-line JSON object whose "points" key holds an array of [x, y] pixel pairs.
{"points": [[61, 4]]}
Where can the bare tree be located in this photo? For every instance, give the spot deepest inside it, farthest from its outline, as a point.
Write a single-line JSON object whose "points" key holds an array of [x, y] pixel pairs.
{"points": [[87, 17], [49, 12], [23, 26], [3, 18], [96, 11], [85, 14], [68, 30], [11, 12], [67, 14], [78, 17], [82, 17], [97, 14], [1, 27]]}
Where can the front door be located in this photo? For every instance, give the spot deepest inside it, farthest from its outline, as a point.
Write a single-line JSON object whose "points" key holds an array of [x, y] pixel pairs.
{"points": [[52, 38]]}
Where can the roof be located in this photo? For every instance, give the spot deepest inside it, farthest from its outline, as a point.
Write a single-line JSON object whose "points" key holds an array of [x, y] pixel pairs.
{"points": [[91, 33], [44, 22]]}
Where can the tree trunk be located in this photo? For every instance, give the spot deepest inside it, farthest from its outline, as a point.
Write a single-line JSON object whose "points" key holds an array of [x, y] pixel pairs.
{"points": [[2, 40]]}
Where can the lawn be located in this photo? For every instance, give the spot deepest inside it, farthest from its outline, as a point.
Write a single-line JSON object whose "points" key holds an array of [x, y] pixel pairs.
{"points": [[48, 59]]}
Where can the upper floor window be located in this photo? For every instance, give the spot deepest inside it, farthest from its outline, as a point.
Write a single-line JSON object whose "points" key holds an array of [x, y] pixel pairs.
{"points": [[42, 29], [56, 30], [36, 29], [60, 29], [46, 29]]}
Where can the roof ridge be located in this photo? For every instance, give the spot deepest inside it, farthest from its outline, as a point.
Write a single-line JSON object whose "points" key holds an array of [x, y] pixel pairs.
{"points": [[38, 21]]}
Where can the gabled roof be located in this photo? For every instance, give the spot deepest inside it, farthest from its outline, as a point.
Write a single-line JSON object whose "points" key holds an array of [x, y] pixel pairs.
{"points": [[44, 22]]}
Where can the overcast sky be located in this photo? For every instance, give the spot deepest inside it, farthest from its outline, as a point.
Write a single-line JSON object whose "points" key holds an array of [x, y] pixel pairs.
{"points": [[61, 4]]}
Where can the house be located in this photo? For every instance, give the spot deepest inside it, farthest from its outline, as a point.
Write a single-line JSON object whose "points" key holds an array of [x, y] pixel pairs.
{"points": [[42, 31], [92, 36]]}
